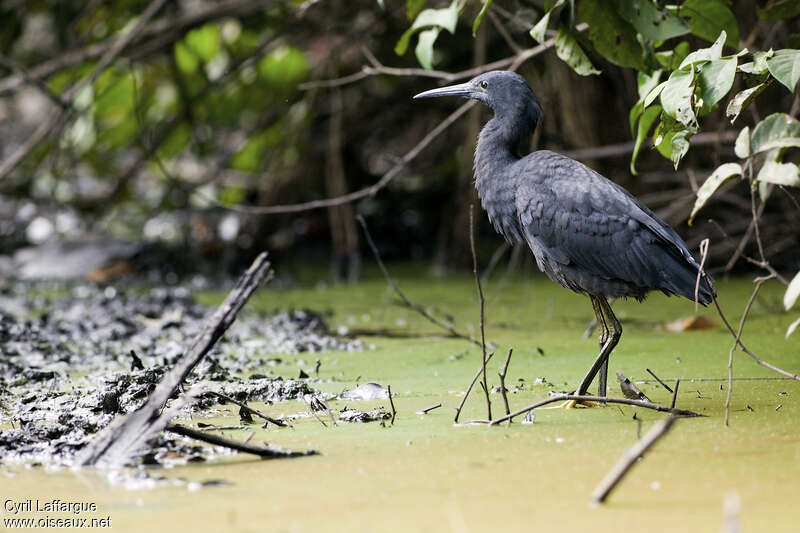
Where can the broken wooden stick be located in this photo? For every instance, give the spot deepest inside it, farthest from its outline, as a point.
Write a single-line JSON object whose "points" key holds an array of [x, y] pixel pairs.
{"points": [[502, 376], [216, 440], [250, 410], [391, 402], [403, 298], [114, 446], [629, 458], [598, 399], [469, 389]]}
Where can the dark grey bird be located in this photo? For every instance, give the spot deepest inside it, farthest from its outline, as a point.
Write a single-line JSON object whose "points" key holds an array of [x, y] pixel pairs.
{"points": [[586, 232]]}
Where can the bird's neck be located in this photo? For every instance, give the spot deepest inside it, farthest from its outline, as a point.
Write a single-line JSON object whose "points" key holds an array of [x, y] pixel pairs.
{"points": [[496, 153]]}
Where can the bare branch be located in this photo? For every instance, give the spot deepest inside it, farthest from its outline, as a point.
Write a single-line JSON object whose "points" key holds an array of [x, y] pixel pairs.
{"points": [[598, 399], [630, 457], [406, 302], [482, 302], [472, 384], [758, 282], [56, 117]]}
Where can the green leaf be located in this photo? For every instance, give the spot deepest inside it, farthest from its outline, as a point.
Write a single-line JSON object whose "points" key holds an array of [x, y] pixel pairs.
{"points": [[742, 145], [645, 124], [715, 80], [652, 22], [676, 98], [759, 63], [413, 7], [634, 114], [785, 67], [776, 131], [654, 93], [446, 18], [779, 173], [571, 53], [717, 178], [612, 36], [186, 59], [646, 83], [479, 18], [742, 99], [424, 49], [680, 144], [706, 54], [781, 10], [792, 327], [284, 67], [538, 31], [707, 18], [204, 41], [671, 59], [792, 292]]}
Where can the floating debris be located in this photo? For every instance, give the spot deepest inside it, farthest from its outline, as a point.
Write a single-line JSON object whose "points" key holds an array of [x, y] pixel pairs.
{"points": [[366, 391], [354, 415]]}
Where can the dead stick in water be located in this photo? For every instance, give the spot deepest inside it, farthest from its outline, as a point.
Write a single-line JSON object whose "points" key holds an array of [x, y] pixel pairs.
{"points": [[403, 298], [113, 446], [391, 402], [629, 458], [428, 409], [598, 399], [469, 389], [250, 410], [502, 375], [264, 453], [484, 384], [658, 379], [675, 393]]}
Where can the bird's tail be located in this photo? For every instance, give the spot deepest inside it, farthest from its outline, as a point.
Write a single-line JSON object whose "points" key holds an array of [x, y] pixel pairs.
{"points": [[684, 279]]}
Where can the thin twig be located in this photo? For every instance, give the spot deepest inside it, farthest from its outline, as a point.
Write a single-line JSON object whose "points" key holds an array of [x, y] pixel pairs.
{"points": [[484, 384], [171, 27], [263, 452], [744, 348], [598, 399], [57, 115], [658, 379], [758, 282], [372, 190], [428, 409], [406, 302], [391, 402], [502, 375], [703, 255], [250, 410], [630, 457], [469, 389], [675, 394]]}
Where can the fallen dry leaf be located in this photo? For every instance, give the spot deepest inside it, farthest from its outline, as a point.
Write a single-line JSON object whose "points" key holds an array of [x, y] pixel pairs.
{"points": [[688, 323]]}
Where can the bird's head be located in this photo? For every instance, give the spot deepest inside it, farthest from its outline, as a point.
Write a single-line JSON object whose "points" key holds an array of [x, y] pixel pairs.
{"points": [[502, 90]]}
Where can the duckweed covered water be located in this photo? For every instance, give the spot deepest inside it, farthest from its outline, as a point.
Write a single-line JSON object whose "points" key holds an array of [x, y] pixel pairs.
{"points": [[425, 474]]}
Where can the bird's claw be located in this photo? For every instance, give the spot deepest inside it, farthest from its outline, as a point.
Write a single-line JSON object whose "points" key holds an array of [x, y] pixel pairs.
{"points": [[575, 404]]}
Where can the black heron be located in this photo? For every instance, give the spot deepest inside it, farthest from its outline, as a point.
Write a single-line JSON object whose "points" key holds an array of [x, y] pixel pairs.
{"points": [[586, 232]]}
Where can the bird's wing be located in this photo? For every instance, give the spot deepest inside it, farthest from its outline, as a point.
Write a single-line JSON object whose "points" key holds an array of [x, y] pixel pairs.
{"points": [[577, 217]]}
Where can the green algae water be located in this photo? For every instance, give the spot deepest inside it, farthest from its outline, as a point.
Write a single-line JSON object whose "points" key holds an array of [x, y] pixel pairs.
{"points": [[426, 474]]}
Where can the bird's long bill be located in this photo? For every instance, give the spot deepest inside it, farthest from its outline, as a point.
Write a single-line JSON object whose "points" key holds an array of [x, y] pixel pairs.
{"points": [[462, 89]]}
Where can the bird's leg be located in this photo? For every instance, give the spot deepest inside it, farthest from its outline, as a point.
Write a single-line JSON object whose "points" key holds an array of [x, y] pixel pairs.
{"points": [[602, 377], [603, 365], [608, 347]]}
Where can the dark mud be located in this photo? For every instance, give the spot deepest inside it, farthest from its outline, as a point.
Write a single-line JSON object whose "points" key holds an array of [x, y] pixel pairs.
{"points": [[73, 361]]}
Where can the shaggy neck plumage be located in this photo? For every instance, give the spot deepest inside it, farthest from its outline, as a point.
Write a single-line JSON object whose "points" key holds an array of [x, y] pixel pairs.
{"points": [[496, 152]]}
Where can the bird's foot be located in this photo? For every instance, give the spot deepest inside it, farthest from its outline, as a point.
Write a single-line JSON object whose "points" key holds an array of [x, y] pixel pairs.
{"points": [[575, 404]]}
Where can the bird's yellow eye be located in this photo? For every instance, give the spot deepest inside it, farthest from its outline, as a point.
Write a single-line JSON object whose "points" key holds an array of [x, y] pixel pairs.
{"points": [[484, 84]]}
